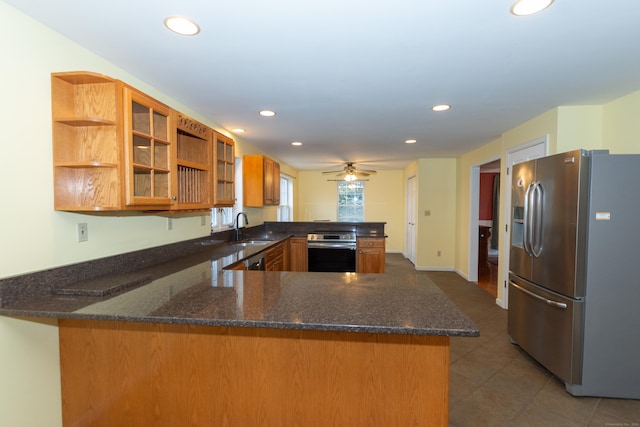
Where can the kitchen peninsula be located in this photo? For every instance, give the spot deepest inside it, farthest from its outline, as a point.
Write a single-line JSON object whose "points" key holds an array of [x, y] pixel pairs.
{"points": [[185, 342]]}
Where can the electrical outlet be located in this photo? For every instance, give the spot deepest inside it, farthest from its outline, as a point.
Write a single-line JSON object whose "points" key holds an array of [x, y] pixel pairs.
{"points": [[439, 253], [203, 221], [82, 231], [427, 213], [169, 223]]}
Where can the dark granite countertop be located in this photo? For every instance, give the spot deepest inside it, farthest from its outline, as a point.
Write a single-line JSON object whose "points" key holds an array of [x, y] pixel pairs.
{"points": [[195, 289]]}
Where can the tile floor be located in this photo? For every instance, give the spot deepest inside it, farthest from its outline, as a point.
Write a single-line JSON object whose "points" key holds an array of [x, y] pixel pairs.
{"points": [[494, 383]]}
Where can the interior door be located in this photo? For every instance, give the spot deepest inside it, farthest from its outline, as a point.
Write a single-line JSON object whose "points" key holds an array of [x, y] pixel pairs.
{"points": [[411, 219]]}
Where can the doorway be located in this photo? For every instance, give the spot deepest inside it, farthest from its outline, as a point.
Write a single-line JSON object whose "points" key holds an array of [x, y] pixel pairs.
{"points": [[480, 229], [488, 226], [526, 151]]}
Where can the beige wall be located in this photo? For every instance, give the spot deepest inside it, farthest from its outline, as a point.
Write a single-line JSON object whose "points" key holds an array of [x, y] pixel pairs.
{"points": [[436, 214], [621, 125], [384, 201], [613, 126]]}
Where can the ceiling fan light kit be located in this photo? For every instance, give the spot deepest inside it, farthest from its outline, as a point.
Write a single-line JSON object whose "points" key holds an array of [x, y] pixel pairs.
{"points": [[350, 173]]}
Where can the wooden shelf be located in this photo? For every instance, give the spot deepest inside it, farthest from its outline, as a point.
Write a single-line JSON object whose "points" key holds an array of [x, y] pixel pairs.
{"points": [[85, 165], [83, 77], [84, 121]]}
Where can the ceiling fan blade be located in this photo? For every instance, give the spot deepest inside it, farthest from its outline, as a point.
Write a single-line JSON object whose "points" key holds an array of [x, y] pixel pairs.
{"points": [[332, 172], [367, 171]]}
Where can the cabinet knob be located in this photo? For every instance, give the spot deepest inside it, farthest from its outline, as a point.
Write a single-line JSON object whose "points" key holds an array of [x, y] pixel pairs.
{"points": [[173, 197]]}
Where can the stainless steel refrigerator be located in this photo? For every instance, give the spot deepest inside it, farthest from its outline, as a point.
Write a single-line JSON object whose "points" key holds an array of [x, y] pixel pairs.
{"points": [[574, 287]]}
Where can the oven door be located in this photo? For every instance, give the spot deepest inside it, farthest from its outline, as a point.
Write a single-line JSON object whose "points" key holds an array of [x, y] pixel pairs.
{"points": [[331, 257]]}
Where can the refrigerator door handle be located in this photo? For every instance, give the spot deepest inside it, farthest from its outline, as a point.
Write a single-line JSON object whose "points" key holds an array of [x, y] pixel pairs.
{"points": [[527, 218], [536, 296], [537, 197]]}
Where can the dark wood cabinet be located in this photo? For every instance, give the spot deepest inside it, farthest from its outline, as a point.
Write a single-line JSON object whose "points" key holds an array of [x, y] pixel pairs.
{"points": [[484, 234], [261, 181], [370, 256], [299, 255]]}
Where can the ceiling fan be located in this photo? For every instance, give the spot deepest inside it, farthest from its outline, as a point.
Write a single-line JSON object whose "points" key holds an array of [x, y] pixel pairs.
{"points": [[350, 173]]}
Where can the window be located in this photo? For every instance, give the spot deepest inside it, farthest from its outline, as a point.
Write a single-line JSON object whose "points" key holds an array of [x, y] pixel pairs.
{"points": [[285, 210], [351, 201], [221, 218]]}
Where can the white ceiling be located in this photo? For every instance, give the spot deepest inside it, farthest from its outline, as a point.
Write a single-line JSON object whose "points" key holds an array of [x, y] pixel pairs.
{"points": [[353, 79]]}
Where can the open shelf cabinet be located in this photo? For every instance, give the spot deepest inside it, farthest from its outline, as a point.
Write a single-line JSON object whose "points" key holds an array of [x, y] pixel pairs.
{"points": [[193, 163], [86, 141]]}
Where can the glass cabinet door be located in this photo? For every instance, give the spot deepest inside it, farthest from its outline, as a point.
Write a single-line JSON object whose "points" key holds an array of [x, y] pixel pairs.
{"points": [[147, 150], [225, 175]]}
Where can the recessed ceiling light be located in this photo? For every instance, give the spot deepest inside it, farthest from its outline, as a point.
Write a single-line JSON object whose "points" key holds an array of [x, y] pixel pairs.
{"points": [[182, 25], [410, 141], [267, 113], [529, 7], [238, 130], [296, 143], [441, 107]]}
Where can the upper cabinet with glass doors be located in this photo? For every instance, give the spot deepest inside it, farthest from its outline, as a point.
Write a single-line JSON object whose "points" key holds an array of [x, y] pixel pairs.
{"points": [[147, 151], [224, 182], [115, 148]]}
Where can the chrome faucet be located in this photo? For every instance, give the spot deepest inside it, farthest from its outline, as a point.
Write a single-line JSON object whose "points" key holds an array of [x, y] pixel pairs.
{"points": [[246, 222]]}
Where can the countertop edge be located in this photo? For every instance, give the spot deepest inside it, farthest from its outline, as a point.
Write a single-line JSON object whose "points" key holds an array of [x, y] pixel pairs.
{"points": [[451, 332]]}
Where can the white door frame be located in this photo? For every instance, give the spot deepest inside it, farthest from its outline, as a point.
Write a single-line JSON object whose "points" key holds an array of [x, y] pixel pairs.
{"points": [[411, 235], [474, 213], [532, 149]]}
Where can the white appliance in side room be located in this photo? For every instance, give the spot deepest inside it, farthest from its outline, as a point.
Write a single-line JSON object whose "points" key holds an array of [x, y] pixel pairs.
{"points": [[574, 282]]}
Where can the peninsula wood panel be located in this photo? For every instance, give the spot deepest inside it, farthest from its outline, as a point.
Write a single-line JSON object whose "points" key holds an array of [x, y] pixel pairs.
{"points": [[141, 374]]}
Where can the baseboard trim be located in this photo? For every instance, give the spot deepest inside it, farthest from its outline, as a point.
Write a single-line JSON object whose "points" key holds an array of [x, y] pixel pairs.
{"points": [[427, 268]]}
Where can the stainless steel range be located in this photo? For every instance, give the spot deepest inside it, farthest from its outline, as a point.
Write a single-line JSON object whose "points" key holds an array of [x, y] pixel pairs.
{"points": [[332, 251]]}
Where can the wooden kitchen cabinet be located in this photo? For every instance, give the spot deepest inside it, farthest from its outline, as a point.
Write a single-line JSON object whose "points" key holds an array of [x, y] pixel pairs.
{"points": [[286, 256], [224, 162], [87, 136], [260, 181], [147, 140], [237, 266], [299, 255], [193, 164], [274, 258], [116, 148], [370, 255]]}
